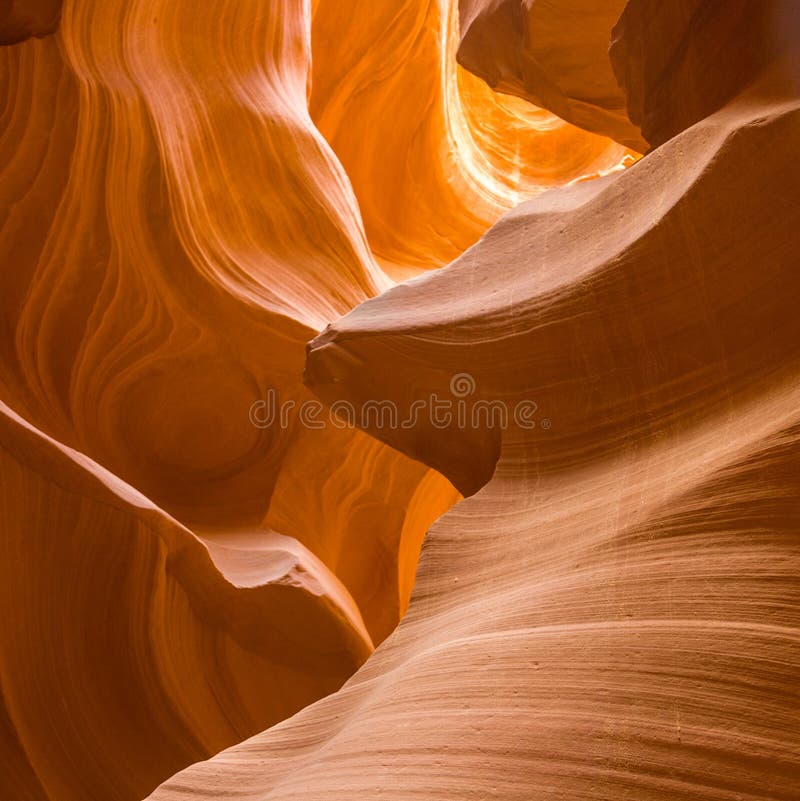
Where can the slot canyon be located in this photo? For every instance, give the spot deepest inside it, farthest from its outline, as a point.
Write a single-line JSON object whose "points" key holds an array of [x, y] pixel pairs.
{"points": [[398, 400]]}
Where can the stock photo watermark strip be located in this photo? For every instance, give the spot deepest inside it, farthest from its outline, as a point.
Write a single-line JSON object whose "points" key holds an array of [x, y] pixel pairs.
{"points": [[460, 410]]}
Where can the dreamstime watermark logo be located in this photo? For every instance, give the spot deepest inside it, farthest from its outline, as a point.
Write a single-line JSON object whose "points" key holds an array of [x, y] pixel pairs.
{"points": [[463, 410]]}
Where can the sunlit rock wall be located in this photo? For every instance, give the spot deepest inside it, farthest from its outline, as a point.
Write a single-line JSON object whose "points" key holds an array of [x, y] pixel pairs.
{"points": [[191, 193]]}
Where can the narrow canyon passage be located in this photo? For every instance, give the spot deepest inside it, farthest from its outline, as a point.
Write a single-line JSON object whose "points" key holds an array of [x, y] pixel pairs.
{"points": [[294, 291]]}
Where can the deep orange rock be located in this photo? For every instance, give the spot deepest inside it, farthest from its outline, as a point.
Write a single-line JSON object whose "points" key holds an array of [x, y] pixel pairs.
{"points": [[160, 276], [705, 53], [433, 154], [166, 278], [191, 193], [614, 612], [553, 53], [130, 648]]}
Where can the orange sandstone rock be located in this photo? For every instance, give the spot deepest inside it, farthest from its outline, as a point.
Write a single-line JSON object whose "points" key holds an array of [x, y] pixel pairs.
{"points": [[129, 648], [434, 155], [166, 275], [173, 230], [705, 53], [553, 53], [190, 193], [614, 613]]}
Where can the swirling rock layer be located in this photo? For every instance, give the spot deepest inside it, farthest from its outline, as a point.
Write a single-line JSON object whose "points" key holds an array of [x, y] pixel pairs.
{"points": [[434, 155], [616, 612], [127, 640], [555, 54], [194, 565], [160, 276]]}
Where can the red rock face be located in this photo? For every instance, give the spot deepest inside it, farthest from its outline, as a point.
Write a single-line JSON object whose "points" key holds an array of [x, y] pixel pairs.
{"points": [[228, 422]]}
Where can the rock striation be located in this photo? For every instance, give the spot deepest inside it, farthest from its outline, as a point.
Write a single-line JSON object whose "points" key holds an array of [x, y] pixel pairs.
{"points": [[614, 611], [160, 276], [434, 155], [593, 363], [555, 54]]}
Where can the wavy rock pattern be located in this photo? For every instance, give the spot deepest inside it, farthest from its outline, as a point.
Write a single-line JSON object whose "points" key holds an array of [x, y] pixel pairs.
{"points": [[142, 649], [615, 614], [555, 54], [161, 276], [434, 155], [190, 193], [166, 277]]}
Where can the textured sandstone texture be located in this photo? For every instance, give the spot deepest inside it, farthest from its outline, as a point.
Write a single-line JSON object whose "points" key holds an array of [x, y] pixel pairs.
{"points": [[160, 274], [615, 613], [555, 54], [130, 649], [434, 155], [192, 192]]}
